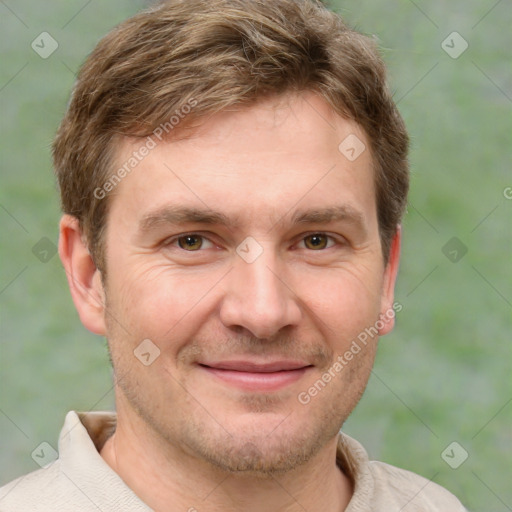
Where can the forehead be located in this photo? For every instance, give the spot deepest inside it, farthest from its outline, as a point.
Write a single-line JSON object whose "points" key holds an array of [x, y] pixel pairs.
{"points": [[264, 160]]}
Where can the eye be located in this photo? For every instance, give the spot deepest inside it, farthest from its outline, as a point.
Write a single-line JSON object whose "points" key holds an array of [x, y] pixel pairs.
{"points": [[192, 242], [318, 241]]}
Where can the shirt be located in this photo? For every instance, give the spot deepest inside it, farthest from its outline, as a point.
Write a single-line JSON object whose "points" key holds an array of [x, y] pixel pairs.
{"points": [[79, 480]]}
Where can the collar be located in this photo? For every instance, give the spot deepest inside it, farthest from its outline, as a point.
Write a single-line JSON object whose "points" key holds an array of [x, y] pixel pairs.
{"points": [[84, 434]]}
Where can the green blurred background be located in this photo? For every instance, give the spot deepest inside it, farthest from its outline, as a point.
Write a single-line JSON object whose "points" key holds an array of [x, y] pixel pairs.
{"points": [[443, 375]]}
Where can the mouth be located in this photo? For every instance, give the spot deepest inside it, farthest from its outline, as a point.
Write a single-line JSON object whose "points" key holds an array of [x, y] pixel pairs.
{"points": [[252, 376]]}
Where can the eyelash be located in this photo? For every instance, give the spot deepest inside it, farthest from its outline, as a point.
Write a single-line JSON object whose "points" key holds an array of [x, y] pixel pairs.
{"points": [[174, 241]]}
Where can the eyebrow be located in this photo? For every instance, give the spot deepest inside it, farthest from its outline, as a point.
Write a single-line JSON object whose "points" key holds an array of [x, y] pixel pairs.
{"points": [[182, 215], [343, 213]]}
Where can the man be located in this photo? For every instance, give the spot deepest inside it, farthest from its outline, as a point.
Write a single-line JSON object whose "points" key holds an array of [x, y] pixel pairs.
{"points": [[233, 175]]}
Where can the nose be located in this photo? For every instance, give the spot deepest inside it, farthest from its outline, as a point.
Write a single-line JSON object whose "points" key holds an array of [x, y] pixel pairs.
{"points": [[258, 298]]}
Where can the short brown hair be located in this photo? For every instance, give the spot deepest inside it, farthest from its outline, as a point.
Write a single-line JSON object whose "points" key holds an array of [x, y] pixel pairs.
{"points": [[222, 54]]}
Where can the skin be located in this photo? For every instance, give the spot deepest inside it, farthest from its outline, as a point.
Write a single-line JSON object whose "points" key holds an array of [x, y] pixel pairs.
{"points": [[185, 437]]}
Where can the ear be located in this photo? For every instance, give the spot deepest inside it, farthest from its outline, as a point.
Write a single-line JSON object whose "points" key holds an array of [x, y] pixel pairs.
{"points": [[84, 278], [388, 307]]}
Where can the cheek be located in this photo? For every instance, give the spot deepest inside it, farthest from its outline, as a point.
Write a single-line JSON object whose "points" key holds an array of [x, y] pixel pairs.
{"points": [[342, 303], [155, 301]]}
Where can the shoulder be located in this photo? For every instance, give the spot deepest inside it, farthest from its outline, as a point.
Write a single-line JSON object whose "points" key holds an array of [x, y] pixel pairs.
{"points": [[34, 491], [412, 492], [79, 479], [380, 486], [54, 486]]}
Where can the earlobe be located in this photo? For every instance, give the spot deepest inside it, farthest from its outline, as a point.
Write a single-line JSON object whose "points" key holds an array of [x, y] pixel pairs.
{"points": [[389, 308], [84, 278]]}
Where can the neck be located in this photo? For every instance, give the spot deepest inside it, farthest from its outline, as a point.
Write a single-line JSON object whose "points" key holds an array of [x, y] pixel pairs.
{"points": [[167, 479]]}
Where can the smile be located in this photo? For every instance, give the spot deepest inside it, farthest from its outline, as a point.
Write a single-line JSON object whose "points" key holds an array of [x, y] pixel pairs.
{"points": [[257, 377]]}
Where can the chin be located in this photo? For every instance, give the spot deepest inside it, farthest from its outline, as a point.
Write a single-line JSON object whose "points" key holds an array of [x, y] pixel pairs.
{"points": [[260, 444]]}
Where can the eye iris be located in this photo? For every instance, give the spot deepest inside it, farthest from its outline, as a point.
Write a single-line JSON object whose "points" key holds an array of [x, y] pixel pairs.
{"points": [[190, 242], [316, 241]]}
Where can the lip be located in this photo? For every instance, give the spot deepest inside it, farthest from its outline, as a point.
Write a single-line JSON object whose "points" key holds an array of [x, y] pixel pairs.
{"points": [[253, 376]]}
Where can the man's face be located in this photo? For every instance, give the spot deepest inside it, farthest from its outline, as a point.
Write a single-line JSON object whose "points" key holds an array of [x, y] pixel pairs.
{"points": [[249, 255]]}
